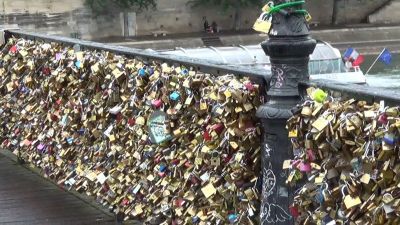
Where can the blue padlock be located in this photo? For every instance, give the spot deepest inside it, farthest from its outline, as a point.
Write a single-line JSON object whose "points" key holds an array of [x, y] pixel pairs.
{"points": [[148, 154], [81, 131], [185, 72], [150, 70], [195, 219], [327, 220], [163, 168], [78, 64], [389, 139], [232, 218], [175, 96], [70, 140], [142, 72], [319, 197], [64, 120]]}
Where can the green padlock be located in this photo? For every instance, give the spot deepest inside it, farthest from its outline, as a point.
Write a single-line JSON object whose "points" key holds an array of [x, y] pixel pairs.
{"points": [[319, 95]]}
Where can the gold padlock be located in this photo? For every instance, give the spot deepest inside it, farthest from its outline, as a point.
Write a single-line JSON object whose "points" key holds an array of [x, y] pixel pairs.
{"points": [[263, 23]]}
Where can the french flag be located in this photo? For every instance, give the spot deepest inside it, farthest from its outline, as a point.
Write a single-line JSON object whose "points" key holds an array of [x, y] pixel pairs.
{"points": [[353, 56]]}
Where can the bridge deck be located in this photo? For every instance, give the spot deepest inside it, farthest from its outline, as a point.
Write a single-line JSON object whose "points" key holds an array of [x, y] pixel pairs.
{"points": [[27, 198]]}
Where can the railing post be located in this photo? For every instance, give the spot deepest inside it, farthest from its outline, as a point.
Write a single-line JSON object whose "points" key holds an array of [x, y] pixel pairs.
{"points": [[289, 46]]}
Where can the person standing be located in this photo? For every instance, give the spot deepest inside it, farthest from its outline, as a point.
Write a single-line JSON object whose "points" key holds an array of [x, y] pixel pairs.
{"points": [[206, 25], [214, 27]]}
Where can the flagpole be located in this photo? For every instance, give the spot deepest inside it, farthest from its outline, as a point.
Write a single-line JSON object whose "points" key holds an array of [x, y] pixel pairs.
{"points": [[376, 60]]}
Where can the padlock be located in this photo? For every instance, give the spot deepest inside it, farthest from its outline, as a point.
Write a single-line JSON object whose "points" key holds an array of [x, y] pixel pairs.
{"points": [[304, 167], [308, 17], [382, 119], [310, 155], [308, 143], [389, 138], [156, 103], [392, 112], [215, 159], [142, 72], [267, 7], [263, 23], [306, 111], [203, 105], [175, 96]]}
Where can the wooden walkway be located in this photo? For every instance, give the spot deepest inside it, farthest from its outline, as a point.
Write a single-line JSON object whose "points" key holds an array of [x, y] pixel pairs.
{"points": [[27, 198]]}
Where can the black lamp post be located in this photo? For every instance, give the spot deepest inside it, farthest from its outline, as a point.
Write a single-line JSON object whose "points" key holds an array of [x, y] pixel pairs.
{"points": [[289, 46]]}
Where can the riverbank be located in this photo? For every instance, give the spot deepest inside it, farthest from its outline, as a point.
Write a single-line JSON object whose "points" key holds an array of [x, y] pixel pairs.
{"points": [[366, 39]]}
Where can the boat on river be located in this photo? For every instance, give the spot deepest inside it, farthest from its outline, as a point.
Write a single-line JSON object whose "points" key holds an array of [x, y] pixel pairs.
{"points": [[325, 63]]}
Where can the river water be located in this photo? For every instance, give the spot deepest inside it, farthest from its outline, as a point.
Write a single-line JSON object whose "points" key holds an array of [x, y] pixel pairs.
{"points": [[381, 75]]}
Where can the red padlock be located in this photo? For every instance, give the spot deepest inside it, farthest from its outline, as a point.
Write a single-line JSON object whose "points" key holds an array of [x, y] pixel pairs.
{"points": [[119, 117], [46, 71], [156, 103], [54, 117], [131, 121], [188, 164], [179, 202], [310, 155], [157, 159], [218, 128], [125, 201], [294, 211], [207, 136], [304, 167], [226, 158], [162, 174], [13, 49], [382, 119], [5, 142], [175, 162], [249, 86], [194, 180]]}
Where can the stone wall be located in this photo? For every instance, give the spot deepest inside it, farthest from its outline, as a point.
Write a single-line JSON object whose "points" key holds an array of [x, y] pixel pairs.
{"points": [[321, 13], [357, 11], [72, 18], [67, 18], [176, 16], [386, 14]]}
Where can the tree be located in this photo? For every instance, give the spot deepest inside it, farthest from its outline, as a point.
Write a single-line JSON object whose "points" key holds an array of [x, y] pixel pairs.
{"points": [[335, 12], [225, 5], [125, 6]]}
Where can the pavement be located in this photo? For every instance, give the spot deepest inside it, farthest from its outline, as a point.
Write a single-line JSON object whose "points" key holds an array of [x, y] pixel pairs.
{"points": [[26, 198]]}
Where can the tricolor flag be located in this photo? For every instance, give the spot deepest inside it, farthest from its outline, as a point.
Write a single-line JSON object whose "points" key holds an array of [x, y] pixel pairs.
{"points": [[353, 56]]}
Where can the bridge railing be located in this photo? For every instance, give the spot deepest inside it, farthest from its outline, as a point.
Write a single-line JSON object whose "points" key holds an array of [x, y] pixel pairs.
{"points": [[198, 64], [362, 92], [203, 132]]}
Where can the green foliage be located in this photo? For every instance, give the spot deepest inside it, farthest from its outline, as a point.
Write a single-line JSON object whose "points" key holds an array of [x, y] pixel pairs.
{"points": [[101, 6], [227, 4]]}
